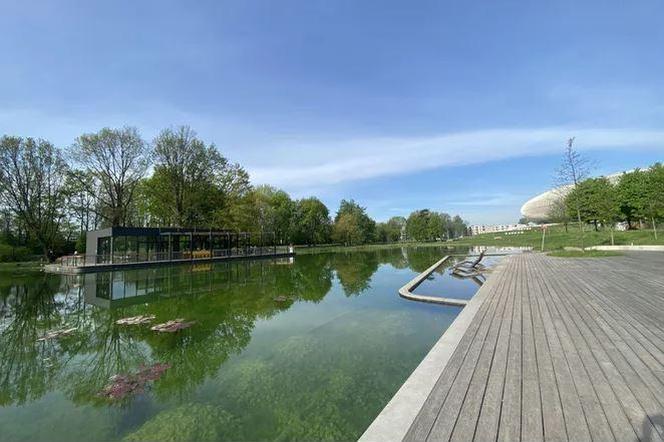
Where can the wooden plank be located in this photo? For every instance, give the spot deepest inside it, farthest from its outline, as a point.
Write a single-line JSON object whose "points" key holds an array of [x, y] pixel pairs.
{"points": [[489, 413], [421, 426], [561, 349], [553, 421], [475, 366], [510, 414], [532, 419], [578, 398], [637, 399], [491, 359], [604, 374]]}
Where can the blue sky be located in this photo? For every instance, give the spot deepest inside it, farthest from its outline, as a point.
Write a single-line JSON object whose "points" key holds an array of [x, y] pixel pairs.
{"points": [[462, 107]]}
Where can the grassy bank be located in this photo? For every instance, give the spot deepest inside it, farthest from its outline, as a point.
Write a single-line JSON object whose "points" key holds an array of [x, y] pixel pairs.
{"points": [[581, 254], [6, 267], [556, 238], [305, 250]]}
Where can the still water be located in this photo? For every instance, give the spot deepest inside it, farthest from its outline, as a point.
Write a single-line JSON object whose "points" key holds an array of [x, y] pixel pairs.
{"points": [[319, 365]]}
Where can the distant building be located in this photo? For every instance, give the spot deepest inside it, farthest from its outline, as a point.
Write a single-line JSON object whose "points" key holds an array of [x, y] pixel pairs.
{"points": [[479, 229], [539, 207]]}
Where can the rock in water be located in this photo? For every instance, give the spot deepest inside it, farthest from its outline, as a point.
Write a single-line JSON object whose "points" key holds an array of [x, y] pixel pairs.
{"points": [[136, 320], [172, 326], [123, 385], [56, 334]]}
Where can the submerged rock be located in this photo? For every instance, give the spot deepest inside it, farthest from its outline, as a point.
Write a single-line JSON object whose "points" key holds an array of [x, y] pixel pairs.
{"points": [[56, 334], [123, 385], [136, 320], [172, 326]]}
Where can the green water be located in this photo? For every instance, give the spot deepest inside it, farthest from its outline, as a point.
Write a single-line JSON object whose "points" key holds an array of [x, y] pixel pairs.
{"points": [[319, 366]]}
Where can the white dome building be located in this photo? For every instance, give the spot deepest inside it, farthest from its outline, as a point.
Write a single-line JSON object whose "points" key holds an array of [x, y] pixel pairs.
{"points": [[538, 208]]}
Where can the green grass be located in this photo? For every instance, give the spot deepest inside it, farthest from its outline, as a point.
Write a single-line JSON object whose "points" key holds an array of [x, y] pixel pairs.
{"points": [[22, 265], [556, 238], [305, 250], [582, 254]]}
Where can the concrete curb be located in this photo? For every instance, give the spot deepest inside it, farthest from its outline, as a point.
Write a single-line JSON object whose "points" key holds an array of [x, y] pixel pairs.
{"points": [[406, 290], [628, 248]]}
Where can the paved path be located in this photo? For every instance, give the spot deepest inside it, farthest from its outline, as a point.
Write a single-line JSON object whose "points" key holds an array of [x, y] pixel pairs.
{"points": [[558, 349]]}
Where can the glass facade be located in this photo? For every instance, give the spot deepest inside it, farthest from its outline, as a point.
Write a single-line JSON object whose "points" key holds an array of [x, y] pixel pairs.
{"points": [[126, 245]]}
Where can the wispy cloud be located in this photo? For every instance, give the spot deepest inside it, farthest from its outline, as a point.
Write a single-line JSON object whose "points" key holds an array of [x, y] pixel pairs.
{"points": [[487, 200], [325, 163]]}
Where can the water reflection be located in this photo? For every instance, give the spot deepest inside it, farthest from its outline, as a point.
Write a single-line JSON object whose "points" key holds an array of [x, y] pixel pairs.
{"points": [[227, 301]]}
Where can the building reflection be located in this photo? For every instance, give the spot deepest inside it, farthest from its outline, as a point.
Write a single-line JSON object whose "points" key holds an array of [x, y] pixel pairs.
{"points": [[127, 287]]}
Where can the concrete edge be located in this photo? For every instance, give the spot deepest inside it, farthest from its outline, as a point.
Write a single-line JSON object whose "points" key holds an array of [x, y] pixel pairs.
{"points": [[395, 419], [628, 248], [406, 290]]}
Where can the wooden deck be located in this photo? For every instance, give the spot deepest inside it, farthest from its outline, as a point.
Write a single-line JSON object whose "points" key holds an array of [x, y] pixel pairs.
{"points": [[559, 349]]}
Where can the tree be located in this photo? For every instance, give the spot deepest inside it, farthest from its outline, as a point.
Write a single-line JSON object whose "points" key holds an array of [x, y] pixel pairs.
{"points": [[395, 228], [347, 229], [421, 225], [596, 201], [272, 211], [189, 177], [32, 185], [632, 192], [652, 205], [117, 159], [81, 204], [559, 213], [573, 169], [459, 227], [366, 226], [311, 223], [391, 231]]}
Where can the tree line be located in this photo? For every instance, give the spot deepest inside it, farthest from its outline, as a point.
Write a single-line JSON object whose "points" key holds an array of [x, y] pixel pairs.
{"points": [[636, 199], [51, 196]]}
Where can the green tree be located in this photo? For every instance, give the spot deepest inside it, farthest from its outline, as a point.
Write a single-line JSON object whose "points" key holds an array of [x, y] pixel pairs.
{"points": [[273, 212], [348, 229], [423, 225], [596, 201], [459, 227], [311, 222], [357, 213], [395, 227], [632, 192], [117, 159], [191, 179], [652, 205], [573, 169], [32, 184]]}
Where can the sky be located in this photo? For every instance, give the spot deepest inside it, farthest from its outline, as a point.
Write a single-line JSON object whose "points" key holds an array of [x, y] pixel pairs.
{"points": [[462, 107]]}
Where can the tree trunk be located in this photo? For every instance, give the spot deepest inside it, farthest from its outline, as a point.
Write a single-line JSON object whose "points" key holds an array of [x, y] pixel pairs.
{"points": [[654, 227], [612, 242], [578, 217]]}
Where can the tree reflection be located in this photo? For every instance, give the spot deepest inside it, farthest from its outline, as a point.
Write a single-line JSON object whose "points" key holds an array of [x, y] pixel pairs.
{"points": [[226, 300], [29, 368], [355, 270]]}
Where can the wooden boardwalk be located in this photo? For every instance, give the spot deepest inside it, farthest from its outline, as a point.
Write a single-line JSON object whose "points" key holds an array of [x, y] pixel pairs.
{"points": [[559, 349]]}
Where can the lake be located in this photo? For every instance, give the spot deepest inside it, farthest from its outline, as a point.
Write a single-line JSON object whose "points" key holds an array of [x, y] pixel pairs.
{"points": [[306, 348]]}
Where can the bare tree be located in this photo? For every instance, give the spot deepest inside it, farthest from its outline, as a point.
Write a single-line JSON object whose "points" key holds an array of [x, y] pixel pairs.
{"points": [[32, 184], [573, 169], [117, 159]]}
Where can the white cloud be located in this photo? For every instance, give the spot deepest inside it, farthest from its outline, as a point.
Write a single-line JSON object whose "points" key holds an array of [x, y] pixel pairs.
{"points": [[324, 163]]}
